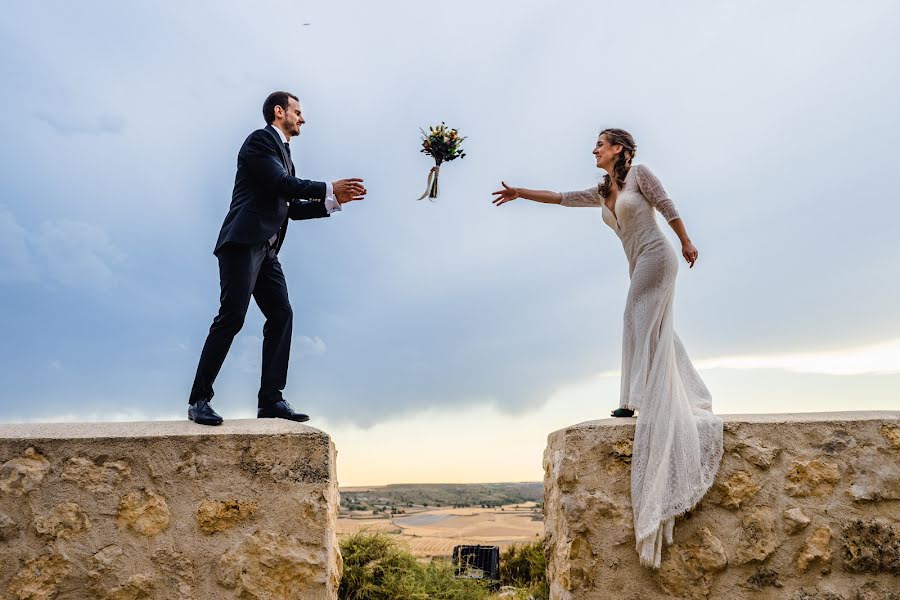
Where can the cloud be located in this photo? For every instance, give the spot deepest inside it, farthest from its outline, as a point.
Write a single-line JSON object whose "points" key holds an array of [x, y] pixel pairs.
{"points": [[72, 253], [873, 359], [454, 303], [77, 254], [104, 123], [120, 416], [309, 346], [16, 264]]}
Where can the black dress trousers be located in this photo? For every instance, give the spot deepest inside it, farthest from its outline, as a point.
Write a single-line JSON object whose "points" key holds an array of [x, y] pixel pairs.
{"points": [[247, 270]]}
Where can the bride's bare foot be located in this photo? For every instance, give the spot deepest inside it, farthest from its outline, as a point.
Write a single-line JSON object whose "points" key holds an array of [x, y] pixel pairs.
{"points": [[622, 412]]}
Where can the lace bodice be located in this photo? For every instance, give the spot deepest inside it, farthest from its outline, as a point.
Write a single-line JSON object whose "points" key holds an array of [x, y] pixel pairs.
{"points": [[642, 190]]}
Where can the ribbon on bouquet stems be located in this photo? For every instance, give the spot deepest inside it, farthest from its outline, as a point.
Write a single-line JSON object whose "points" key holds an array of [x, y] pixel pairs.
{"points": [[442, 144], [431, 188]]}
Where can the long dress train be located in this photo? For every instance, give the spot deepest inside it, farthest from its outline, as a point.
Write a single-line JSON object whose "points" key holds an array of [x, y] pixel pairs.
{"points": [[678, 440]]}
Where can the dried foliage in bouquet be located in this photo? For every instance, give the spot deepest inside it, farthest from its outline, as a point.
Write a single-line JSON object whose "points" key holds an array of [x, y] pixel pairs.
{"points": [[443, 144]]}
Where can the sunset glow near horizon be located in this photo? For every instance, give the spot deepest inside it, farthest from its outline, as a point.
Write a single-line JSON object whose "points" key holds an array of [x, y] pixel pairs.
{"points": [[442, 342]]}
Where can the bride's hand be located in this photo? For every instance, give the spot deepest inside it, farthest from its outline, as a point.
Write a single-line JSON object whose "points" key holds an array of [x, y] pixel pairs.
{"points": [[505, 195], [689, 251]]}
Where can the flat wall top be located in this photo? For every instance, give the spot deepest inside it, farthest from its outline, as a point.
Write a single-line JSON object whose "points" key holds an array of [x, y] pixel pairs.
{"points": [[815, 417], [777, 418], [145, 429]]}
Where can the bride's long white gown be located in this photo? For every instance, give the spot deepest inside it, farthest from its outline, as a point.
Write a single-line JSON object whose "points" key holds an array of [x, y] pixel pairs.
{"points": [[678, 440]]}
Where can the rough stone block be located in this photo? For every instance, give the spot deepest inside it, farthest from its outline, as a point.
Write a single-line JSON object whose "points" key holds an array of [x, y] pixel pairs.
{"points": [[811, 478], [803, 507], [794, 520], [125, 511], [758, 540], [871, 546], [816, 548]]}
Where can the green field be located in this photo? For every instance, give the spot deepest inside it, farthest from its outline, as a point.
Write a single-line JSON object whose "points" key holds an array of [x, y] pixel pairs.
{"points": [[441, 495]]}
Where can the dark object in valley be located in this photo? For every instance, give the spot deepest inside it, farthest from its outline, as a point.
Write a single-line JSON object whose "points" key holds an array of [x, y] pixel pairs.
{"points": [[477, 562]]}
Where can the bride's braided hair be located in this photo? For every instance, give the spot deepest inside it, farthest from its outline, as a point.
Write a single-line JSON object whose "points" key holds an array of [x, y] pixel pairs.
{"points": [[619, 137]]}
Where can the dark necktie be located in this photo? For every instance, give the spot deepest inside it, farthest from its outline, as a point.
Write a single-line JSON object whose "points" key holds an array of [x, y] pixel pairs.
{"points": [[287, 148]]}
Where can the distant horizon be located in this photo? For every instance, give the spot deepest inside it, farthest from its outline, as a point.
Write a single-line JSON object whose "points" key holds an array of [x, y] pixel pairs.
{"points": [[446, 483]]}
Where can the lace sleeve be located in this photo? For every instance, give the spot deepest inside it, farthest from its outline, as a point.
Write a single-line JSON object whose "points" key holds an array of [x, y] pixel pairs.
{"points": [[588, 197], [654, 192]]}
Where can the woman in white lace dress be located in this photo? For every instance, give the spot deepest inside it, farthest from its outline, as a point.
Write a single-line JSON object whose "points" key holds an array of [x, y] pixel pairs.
{"points": [[678, 440]]}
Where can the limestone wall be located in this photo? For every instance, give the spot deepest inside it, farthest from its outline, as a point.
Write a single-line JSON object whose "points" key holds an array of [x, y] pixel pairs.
{"points": [[804, 507], [168, 510]]}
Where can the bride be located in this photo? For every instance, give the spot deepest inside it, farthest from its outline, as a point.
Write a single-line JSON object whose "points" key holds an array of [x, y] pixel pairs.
{"points": [[678, 440]]}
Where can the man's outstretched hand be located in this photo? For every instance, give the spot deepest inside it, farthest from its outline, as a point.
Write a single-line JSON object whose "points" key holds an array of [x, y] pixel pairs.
{"points": [[348, 190]]}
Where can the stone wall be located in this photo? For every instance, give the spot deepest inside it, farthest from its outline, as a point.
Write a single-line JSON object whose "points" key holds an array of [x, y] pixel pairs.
{"points": [[804, 507], [168, 510]]}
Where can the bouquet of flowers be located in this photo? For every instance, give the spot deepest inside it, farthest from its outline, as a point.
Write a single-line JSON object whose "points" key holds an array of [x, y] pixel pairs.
{"points": [[442, 144]]}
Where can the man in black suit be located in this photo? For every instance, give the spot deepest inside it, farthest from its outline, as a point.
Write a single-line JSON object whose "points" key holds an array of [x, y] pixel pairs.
{"points": [[266, 195]]}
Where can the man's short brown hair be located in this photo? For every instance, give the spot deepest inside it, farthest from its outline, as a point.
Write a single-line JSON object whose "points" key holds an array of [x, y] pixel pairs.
{"points": [[276, 99]]}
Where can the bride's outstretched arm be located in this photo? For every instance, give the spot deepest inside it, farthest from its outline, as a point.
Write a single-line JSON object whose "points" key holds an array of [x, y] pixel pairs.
{"points": [[511, 193]]}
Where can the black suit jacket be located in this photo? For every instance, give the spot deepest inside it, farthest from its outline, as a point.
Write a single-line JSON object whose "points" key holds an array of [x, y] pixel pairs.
{"points": [[266, 193]]}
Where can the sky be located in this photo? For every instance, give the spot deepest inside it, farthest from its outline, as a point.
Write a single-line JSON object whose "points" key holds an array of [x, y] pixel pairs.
{"points": [[443, 342]]}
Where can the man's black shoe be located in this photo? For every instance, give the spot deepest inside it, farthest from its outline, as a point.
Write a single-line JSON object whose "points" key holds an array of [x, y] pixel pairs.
{"points": [[280, 410], [202, 412]]}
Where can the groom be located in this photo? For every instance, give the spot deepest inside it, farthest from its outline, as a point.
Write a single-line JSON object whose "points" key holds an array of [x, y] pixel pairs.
{"points": [[266, 194]]}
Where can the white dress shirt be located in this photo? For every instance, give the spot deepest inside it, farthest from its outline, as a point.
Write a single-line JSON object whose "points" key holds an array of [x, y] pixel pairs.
{"points": [[331, 203]]}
